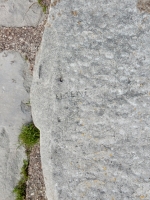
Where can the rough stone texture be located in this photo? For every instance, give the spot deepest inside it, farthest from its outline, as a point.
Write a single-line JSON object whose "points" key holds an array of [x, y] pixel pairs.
{"points": [[90, 98], [17, 13], [14, 112]]}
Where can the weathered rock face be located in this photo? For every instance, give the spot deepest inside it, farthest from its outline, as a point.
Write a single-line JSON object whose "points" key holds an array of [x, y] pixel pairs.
{"points": [[17, 13], [91, 100], [13, 114]]}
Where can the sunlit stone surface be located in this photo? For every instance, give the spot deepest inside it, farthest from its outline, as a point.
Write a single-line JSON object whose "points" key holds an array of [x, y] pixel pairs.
{"points": [[91, 100]]}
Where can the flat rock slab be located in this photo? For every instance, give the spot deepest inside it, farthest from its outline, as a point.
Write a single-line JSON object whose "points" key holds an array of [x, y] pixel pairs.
{"points": [[18, 13], [14, 112], [90, 98]]}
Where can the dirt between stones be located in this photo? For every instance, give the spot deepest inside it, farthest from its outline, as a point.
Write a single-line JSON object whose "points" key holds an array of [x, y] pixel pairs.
{"points": [[26, 40], [144, 5], [35, 185]]}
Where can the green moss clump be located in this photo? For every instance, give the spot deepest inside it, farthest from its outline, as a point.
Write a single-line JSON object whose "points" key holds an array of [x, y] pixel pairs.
{"points": [[40, 1], [29, 135], [20, 189], [44, 7]]}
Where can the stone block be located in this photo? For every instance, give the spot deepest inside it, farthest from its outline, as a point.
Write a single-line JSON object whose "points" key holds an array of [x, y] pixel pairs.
{"points": [[14, 112], [90, 99]]}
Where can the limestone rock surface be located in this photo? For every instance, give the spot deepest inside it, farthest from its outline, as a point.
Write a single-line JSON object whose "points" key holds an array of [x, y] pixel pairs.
{"points": [[90, 99], [14, 112], [18, 13]]}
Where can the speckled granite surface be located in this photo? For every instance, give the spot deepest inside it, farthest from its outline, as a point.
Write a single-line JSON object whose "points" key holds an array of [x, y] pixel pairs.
{"points": [[90, 98]]}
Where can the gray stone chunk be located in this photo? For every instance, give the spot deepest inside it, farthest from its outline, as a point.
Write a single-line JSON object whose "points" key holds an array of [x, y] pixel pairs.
{"points": [[18, 13], [90, 98], [13, 114]]}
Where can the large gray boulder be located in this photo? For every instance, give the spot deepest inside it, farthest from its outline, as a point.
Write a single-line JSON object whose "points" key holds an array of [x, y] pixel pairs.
{"points": [[18, 13], [14, 112], [90, 99]]}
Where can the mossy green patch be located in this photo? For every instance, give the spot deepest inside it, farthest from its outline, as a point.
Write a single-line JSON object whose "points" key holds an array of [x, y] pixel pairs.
{"points": [[20, 188], [44, 7], [28, 137]]}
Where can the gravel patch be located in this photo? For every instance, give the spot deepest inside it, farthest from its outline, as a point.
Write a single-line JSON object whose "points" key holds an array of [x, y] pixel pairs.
{"points": [[35, 185], [25, 40], [144, 5]]}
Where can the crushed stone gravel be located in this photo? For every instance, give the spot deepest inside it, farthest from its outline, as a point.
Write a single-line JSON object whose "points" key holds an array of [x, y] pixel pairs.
{"points": [[25, 40], [35, 189]]}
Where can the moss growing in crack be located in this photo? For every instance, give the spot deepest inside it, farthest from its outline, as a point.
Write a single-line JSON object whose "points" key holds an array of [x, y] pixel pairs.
{"points": [[44, 7], [39, 1], [20, 188], [28, 137]]}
